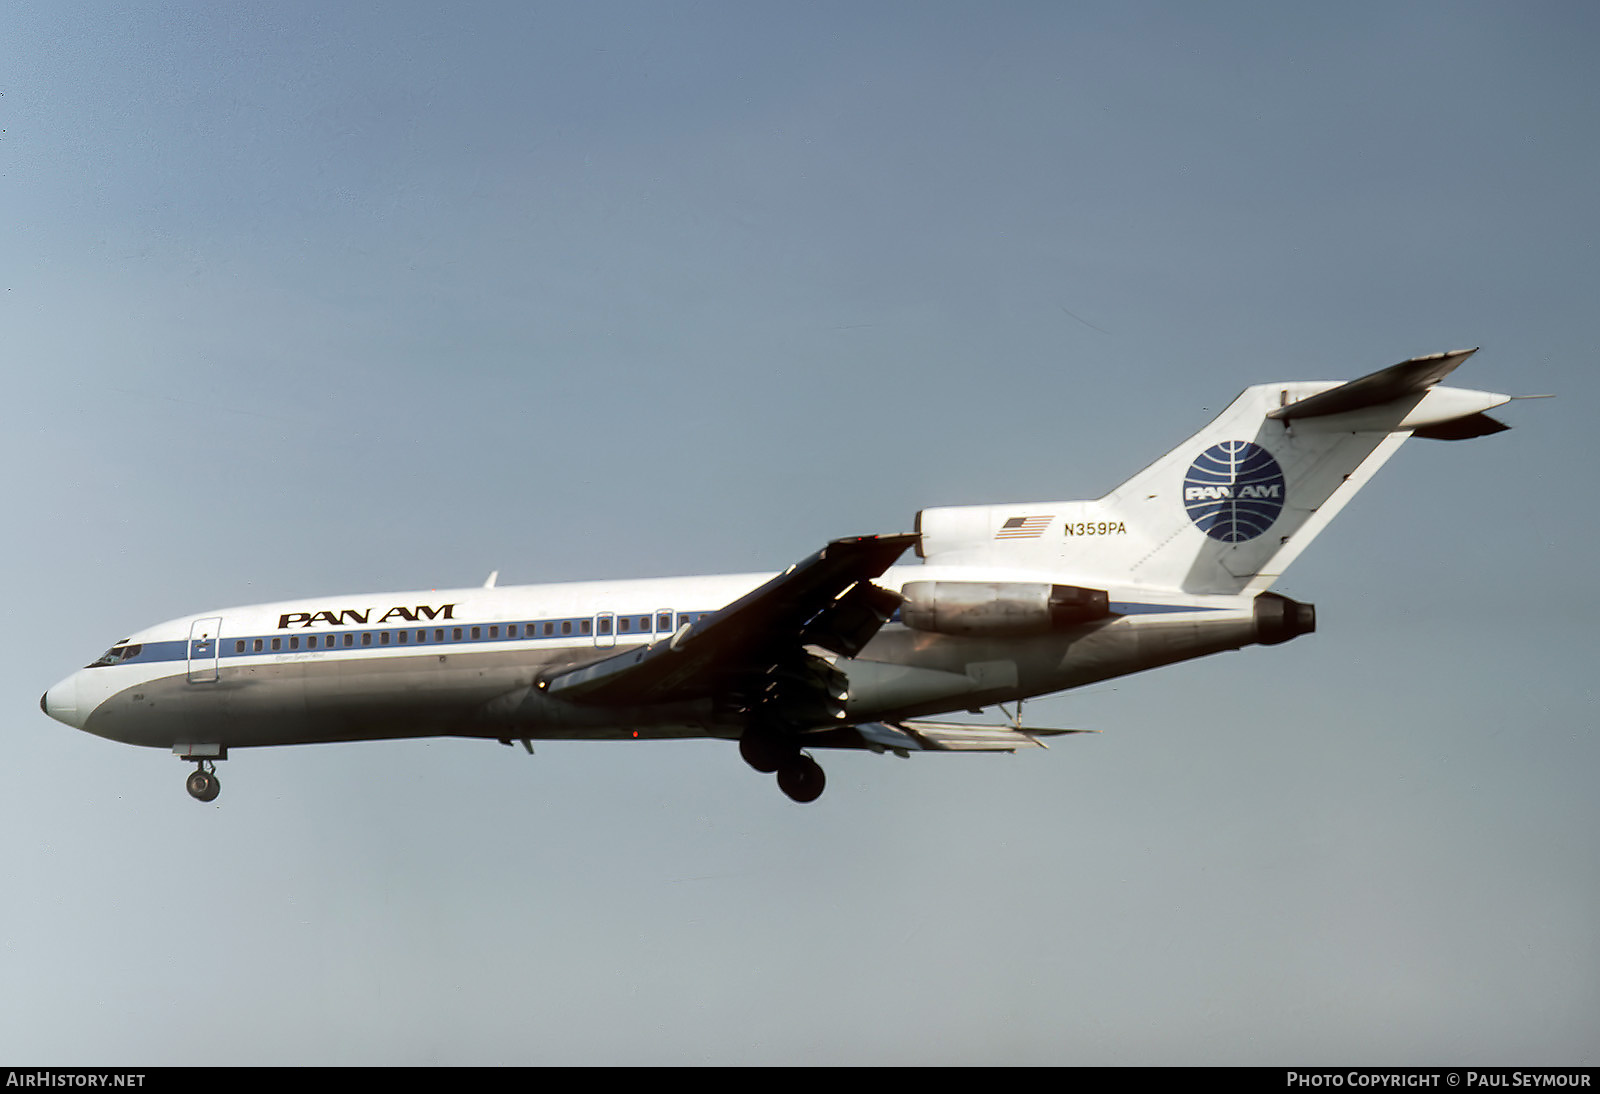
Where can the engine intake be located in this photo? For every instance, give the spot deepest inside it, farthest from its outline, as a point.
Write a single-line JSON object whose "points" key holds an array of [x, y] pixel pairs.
{"points": [[999, 608]]}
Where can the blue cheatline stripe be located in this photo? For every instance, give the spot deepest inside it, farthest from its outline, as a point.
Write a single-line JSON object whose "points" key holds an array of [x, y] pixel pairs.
{"points": [[387, 638]]}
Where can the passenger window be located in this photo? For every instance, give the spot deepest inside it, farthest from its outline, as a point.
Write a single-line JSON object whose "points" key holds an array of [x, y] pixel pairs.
{"points": [[349, 640], [277, 643], [438, 635], [366, 638], [549, 629], [605, 625], [477, 632], [664, 621], [494, 632], [294, 642], [456, 633], [566, 626], [403, 635], [238, 647], [624, 624], [583, 626], [258, 645], [511, 630]]}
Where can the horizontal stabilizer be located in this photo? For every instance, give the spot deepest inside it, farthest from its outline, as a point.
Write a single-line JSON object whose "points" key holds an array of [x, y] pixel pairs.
{"points": [[1413, 377]]}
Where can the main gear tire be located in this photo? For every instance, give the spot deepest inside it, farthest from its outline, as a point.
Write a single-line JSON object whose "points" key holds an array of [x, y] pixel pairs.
{"points": [[766, 752], [802, 779]]}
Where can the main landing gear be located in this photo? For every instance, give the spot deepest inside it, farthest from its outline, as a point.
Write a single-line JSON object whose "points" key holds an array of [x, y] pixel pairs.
{"points": [[799, 776], [802, 779], [203, 784]]}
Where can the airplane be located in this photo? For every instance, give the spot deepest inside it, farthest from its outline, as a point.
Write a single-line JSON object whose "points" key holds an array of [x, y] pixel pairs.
{"points": [[847, 649]]}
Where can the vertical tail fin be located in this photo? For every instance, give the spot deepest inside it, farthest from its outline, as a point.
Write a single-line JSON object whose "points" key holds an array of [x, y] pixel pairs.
{"points": [[1231, 507]]}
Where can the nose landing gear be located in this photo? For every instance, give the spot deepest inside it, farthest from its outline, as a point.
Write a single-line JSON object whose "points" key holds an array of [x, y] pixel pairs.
{"points": [[203, 784]]}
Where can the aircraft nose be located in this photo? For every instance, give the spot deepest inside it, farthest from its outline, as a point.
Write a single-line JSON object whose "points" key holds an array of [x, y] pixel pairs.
{"points": [[61, 702]]}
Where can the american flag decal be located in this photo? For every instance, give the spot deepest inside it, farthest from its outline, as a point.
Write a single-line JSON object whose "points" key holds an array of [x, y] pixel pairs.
{"points": [[1025, 527]]}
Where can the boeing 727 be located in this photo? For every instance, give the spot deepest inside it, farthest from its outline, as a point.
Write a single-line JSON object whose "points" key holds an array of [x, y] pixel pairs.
{"points": [[846, 649]]}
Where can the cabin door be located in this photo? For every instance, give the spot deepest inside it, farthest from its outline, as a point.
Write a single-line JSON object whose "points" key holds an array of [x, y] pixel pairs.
{"points": [[204, 648]]}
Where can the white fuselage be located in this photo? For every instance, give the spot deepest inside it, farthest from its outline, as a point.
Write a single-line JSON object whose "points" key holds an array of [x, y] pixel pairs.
{"points": [[466, 662]]}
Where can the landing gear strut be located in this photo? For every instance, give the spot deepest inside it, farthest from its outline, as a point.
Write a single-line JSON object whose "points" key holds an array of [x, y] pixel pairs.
{"points": [[203, 784]]}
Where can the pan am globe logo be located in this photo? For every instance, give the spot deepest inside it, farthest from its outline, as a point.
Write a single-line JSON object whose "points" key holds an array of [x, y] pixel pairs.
{"points": [[1234, 491]]}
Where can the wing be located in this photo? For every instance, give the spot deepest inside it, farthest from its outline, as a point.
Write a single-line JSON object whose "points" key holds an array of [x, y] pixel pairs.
{"points": [[753, 651]]}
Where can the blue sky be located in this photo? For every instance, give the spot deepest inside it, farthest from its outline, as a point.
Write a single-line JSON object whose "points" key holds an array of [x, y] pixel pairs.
{"points": [[314, 300]]}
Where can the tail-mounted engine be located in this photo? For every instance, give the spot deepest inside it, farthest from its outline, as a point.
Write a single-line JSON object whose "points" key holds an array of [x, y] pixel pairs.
{"points": [[999, 608]]}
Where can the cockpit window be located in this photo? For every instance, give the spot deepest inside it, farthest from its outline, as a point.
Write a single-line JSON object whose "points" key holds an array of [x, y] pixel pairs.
{"points": [[116, 655]]}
